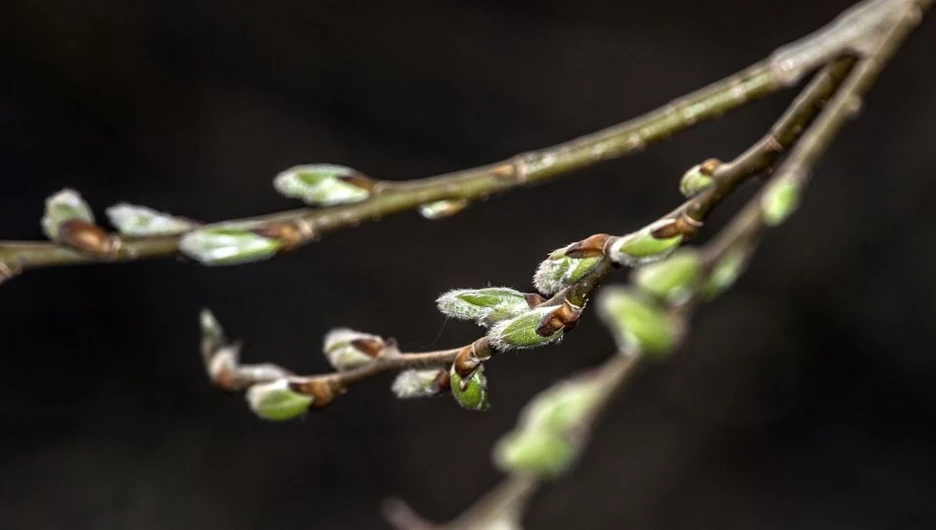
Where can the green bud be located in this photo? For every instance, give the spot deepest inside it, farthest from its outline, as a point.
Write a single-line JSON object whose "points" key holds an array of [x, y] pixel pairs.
{"points": [[558, 271], [347, 349], [637, 323], [673, 278], [442, 209], [541, 453], [475, 395], [780, 199], [417, 383], [275, 401], [227, 246], [485, 306], [66, 205], [520, 331], [694, 181], [323, 184], [642, 247], [564, 406], [726, 271], [133, 220], [211, 330]]}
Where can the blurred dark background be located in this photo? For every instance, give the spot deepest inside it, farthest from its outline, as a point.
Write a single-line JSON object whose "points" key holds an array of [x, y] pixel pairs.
{"points": [[806, 399]]}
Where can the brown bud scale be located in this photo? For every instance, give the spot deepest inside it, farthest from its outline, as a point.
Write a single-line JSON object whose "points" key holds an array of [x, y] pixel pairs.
{"points": [[590, 247], [86, 237]]}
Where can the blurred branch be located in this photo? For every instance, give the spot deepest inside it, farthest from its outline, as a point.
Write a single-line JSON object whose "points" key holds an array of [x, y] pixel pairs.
{"points": [[289, 230]]}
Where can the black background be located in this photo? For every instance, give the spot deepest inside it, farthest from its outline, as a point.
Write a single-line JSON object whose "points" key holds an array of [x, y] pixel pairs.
{"points": [[806, 399]]}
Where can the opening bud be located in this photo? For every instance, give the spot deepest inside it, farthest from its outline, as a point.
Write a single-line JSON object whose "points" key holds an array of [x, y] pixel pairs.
{"points": [[651, 243], [420, 383], [347, 349], [672, 279], [66, 205], [227, 246], [470, 393], [324, 184], [484, 306], [523, 331], [276, 401], [698, 177], [560, 269], [637, 322], [780, 199], [133, 220]]}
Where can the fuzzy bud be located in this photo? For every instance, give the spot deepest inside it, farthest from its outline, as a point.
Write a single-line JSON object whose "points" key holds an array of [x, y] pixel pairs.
{"points": [[672, 279], [227, 246], [324, 184], [780, 199], [66, 205], [276, 401], [442, 209], [645, 245], [347, 349], [470, 393], [522, 331], [133, 220], [420, 383], [698, 177], [638, 323], [484, 306], [559, 270]]}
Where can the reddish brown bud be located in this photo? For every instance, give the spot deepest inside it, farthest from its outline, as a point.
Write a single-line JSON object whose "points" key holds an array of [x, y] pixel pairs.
{"points": [[590, 247], [291, 235], [710, 166], [443, 381], [359, 180], [466, 362], [322, 392], [369, 347], [534, 299], [564, 317], [86, 237]]}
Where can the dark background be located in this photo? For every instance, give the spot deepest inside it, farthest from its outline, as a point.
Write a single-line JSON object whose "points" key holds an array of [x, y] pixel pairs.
{"points": [[806, 399]]}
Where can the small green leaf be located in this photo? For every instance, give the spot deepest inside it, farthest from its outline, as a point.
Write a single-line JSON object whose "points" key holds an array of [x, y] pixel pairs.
{"points": [[133, 220], [475, 394], [66, 205], [227, 246], [637, 322], [520, 331], [276, 402], [642, 247], [322, 184], [780, 199], [671, 279]]}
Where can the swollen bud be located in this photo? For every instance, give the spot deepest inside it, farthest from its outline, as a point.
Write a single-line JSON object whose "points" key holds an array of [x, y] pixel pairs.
{"points": [[133, 220], [347, 349], [324, 184], [780, 199], [442, 209], [485, 306], [726, 271], [275, 401], [470, 393], [671, 279], [637, 322], [66, 205], [420, 383], [523, 331], [698, 177], [536, 452], [642, 246], [563, 407], [559, 271], [227, 246]]}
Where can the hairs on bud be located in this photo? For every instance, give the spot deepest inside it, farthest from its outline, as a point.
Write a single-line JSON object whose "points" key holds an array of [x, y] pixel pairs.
{"points": [[642, 246], [133, 220], [558, 271], [324, 184], [66, 205], [485, 306], [420, 383], [347, 349], [227, 246], [521, 332]]}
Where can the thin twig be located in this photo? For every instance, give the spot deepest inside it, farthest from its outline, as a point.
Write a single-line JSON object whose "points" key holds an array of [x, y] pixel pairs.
{"points": [[783, 68]]}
